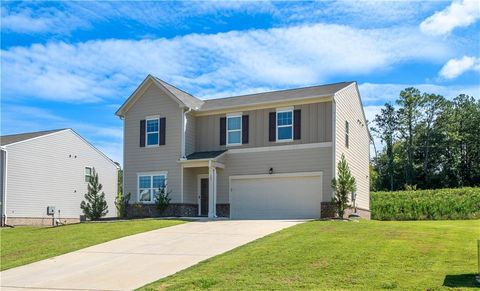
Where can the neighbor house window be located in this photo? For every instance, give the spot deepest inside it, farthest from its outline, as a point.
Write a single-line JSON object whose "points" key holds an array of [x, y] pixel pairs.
{"points": [[149, 185], [285, 125], [234, 130], [152, 131], [347, 134], [88, 174]]}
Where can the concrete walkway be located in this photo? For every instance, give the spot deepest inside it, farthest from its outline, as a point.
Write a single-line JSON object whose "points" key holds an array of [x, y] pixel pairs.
{"points": [[131, 262]]}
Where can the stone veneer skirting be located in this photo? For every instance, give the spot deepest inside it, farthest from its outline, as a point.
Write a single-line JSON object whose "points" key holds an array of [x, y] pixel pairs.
{"points": [[39, 221], [327, 210], [174, 209]]}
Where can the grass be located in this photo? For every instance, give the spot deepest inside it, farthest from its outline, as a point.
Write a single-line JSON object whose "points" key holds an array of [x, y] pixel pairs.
{"points": [[334, 255], [23, 245]]}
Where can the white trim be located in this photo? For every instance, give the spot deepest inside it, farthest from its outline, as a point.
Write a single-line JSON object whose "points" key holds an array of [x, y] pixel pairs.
{"points": [[152, 117], [204, 163], [148, 118], [229, 116], [234, 114], [279, 175], [5, 183], [280, 148], [199, 191], [181, 183], [334, 140], [151, 174], [284, 109], [277, 127]]}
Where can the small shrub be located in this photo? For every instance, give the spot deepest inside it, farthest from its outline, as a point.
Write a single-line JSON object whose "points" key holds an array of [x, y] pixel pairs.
{"points": [[162, 199], [122, 204], [461, 203], [342, 187]]}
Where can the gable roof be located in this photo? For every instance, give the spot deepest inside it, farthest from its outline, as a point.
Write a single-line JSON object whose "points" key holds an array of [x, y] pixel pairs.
{"points": [[190, 101], [274, 96], [180, 96], [13, 138]]}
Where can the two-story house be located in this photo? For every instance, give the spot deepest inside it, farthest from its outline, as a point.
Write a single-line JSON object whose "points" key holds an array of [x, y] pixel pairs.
{"points": [[265, 155]]}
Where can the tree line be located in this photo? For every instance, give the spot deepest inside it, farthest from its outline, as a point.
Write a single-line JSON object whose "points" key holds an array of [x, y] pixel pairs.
{"points": [[428, 142]]}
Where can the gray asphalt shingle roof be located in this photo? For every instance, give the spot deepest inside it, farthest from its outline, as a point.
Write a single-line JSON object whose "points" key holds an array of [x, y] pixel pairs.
{"points": [[183, 96], [12, 138], [273, 96]]}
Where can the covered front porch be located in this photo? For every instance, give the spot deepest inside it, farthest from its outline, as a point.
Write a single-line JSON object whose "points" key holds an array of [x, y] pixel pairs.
{"points": [[200, 180]]}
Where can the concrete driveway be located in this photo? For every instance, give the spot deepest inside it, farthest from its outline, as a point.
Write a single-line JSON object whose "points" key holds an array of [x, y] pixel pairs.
{"points": [[131, 262]]}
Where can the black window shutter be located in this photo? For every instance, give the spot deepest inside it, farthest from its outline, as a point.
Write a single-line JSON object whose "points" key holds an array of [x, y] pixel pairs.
{"points": [[142, 133], [244, 129], [272, 124], [161, 129], [297, 124], [223, 130]]}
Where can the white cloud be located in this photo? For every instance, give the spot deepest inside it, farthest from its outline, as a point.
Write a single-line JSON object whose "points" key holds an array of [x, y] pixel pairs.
{"points": [[374, 93], [40, 21], [210, 63], [455, 67], [458, 14]]}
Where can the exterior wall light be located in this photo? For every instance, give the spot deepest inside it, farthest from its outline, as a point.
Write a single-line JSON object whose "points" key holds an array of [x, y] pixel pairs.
{"points": [[270, 171]]}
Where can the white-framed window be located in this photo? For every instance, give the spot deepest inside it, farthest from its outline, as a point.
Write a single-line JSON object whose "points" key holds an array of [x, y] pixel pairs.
{"points": [[284, 124], [149, 184], [347, 134], [88, 173], [152, 131], [234, 129]]}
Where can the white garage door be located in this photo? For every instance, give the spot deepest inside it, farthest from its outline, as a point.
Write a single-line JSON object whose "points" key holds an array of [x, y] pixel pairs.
{"points": [[296, 195]]}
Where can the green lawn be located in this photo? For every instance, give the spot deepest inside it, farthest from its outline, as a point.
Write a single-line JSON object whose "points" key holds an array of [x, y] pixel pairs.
{"points": [[333, 255], [23, 245]]}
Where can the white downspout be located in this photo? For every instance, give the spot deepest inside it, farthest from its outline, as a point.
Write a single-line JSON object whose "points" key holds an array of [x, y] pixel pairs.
{"points": [[4, 202], [183, 148]]}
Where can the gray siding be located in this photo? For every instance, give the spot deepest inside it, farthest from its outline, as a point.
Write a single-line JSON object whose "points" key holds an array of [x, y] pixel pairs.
{"points": [[283, 161], [153, 159], [50, 171], [316, 127], [349, 108], [190, 135]]}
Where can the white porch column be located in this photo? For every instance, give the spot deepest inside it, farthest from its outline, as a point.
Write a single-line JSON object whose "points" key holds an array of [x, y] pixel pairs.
{"points": [[212, 190]]}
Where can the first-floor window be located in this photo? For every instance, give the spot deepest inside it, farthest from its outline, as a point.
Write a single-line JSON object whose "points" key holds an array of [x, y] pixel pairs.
{"points": [[88, 174], [149, 185]]}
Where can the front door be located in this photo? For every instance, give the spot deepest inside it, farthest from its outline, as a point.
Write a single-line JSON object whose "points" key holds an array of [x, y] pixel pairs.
{"points": [[204, 196]]}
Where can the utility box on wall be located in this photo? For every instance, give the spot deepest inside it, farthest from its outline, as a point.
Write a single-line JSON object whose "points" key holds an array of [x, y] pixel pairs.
{"points": [[50, 210]]}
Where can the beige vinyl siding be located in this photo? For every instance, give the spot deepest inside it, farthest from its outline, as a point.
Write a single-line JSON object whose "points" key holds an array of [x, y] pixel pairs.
{"points": [[50, 171], [349, 108], [190, 186], [282, 161], [190, 135], [316, 127], [153, 159]]}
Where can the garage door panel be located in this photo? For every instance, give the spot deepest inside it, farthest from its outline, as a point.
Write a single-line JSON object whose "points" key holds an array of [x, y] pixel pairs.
{"points": [[276, 197]]}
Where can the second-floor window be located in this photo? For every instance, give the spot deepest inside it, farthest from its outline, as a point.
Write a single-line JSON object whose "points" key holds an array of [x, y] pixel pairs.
{"points": [[285, 125], [347, 134], [152, 132], [234, 130]]}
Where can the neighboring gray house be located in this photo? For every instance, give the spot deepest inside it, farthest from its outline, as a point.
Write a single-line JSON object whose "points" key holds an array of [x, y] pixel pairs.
{"points": [[266, 155], [50, 168]]}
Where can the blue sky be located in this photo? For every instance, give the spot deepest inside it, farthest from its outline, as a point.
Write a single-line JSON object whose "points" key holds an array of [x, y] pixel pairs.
{"points": [[72, 64]]}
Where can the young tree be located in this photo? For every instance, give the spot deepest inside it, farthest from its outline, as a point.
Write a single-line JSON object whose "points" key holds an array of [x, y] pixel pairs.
{"points": [[95, 205], [386, 127], [162, 198], [343, 187]]}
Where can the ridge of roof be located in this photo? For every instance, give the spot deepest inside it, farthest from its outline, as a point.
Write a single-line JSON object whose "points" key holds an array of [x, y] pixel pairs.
{"points": [[13, 138], [185, 97]]}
